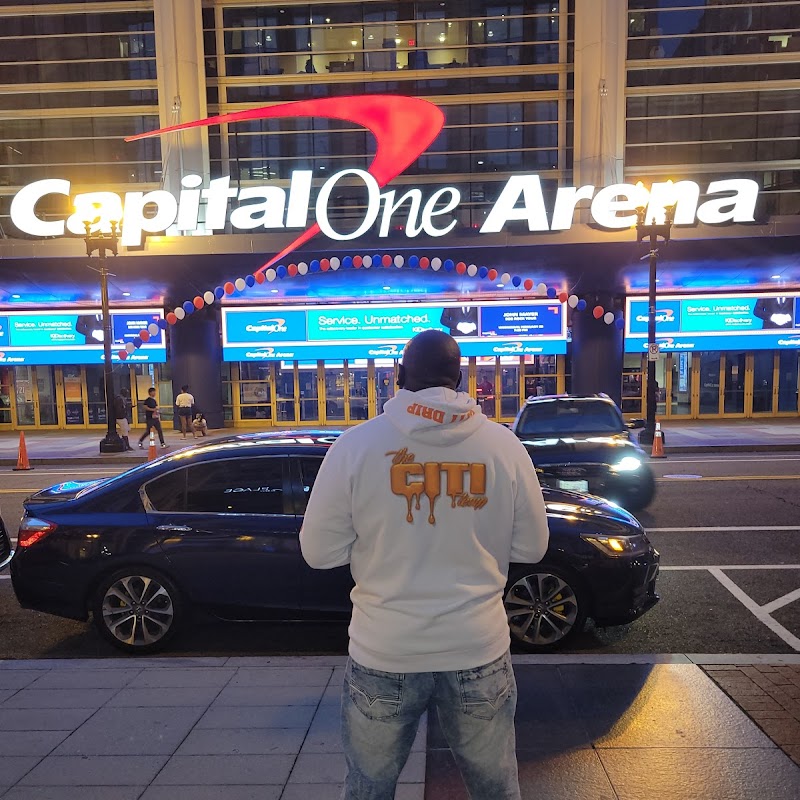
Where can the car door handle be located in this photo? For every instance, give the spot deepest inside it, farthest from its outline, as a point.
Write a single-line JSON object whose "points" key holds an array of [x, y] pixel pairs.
{"points": [[183, 528]]}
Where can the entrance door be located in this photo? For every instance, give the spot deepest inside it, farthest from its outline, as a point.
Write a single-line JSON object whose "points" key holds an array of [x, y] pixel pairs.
{"points": [[763, 381], [35, 389], [6, 387], [709, 384], [788, 372], [358, 392], [335, 393], [384, 384], [734, 386], [72, 379], [486, 388], [308, 391]]}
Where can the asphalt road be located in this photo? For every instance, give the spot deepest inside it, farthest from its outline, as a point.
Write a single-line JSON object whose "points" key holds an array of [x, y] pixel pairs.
{"points": [[727, 527]]}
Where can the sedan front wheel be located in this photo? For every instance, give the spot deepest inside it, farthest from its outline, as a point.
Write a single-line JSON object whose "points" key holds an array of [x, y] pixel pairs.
{"points": [[137, 609], [545, 606]]}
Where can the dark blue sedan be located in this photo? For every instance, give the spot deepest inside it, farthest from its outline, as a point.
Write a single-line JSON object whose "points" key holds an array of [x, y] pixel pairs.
{"points": [[216, 527]]}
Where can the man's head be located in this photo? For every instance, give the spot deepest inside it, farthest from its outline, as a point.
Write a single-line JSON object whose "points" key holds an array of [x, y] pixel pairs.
{"points": [[185, 387], [152, 391], [432, 358]]}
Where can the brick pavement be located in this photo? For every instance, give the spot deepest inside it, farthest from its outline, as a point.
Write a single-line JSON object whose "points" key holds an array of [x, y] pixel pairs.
{"points": [[769, 695]]}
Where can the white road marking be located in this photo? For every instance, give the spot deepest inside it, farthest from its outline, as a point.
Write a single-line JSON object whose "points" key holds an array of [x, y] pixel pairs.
{"points": [[677, 568], [756, 610], [725, 529], [766, 457], [5, 577], [781, 601]]}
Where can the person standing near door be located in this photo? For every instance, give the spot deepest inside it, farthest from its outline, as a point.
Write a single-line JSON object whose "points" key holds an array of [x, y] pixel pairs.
{"points": [[152, 418], [428, 503], [185, 403], [121, 416]]}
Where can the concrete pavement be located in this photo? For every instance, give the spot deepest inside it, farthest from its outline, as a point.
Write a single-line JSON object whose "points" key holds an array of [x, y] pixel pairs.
{"points": [[240, 728], [769, 435]]}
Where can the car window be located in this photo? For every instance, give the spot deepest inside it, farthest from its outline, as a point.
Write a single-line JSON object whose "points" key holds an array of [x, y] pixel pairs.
{"points": [[309, 467], [236, 486], [168, 492], [565, 416]]}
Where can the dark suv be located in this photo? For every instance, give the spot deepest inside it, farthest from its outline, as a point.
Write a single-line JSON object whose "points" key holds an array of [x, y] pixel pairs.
{"points": [[582, 444]]}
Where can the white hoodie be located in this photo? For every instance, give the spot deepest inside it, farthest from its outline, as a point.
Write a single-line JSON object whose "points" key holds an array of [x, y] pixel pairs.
{"points": [[428, 503]]}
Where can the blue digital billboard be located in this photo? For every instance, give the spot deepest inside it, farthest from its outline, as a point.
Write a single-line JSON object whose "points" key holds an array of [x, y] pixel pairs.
{"points": [[381, 330], [711, 322], [67, 337]]}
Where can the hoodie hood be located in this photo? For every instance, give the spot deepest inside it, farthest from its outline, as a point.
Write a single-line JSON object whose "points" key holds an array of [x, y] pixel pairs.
{"points": [[437, 416]]}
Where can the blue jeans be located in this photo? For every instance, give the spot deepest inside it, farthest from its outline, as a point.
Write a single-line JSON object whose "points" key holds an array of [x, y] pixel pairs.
{"points": [[380, 716]]}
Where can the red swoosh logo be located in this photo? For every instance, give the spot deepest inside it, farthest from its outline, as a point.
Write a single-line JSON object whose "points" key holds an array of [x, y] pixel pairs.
{"points": [[403, 128]]}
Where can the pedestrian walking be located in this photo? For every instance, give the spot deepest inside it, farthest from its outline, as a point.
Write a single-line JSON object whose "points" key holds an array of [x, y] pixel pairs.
{"points": [[152, 418], [121, 406], [185, 403], [428, 503]]}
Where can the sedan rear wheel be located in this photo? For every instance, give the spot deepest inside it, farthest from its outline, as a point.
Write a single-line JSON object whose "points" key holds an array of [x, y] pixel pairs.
{"points": [[545, 606], [137, 609]]}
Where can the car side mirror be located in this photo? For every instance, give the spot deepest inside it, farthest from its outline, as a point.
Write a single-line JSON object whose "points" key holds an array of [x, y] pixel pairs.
{"points": [[635, 424]]}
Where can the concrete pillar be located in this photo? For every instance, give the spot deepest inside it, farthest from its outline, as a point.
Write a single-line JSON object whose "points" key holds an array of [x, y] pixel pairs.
{"points": [[600, 48], [597, 355], [181, 89], [195, 358]]}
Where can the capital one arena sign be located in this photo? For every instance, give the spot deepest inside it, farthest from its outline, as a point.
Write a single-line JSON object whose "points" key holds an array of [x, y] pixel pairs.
{"points": [[403, 128]]}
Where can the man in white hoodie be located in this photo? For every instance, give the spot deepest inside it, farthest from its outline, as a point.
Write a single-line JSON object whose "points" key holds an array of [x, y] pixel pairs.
{"points": [[428, 503]]}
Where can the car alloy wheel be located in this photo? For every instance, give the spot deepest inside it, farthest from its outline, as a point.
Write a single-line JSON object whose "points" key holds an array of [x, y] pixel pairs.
{"points": [[137, 609], [544, 607]]}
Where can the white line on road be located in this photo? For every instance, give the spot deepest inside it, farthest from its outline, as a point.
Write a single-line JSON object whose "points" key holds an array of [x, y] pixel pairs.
{"points": [[781, 601], [757, 611], [767, 457], [725, 529], [676, 568]]}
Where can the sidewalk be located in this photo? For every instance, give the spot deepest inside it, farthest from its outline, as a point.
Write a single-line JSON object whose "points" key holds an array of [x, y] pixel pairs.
{"points": [[771, 435], [241, 728]]}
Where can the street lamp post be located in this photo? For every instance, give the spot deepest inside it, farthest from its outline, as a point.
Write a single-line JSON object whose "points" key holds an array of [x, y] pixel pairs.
{"points": [[653, 231], [101, 242]]}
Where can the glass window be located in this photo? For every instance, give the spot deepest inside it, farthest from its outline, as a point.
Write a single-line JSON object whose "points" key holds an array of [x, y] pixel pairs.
{"points": [[309, 467], [557, 417], [168, 492], [236, 486]]}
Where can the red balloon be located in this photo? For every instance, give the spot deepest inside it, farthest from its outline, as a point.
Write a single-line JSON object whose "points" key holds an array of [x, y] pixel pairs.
{"points": [[461, 268], [198, 302], [144, 334], [324, 264], [528, 284], [492, 275], [123, 354], [386, 260], [357, 261], [424, 262], [292, 270], [260, 277], [563, 297], [598, 312], [171, 318], [229, 288]]}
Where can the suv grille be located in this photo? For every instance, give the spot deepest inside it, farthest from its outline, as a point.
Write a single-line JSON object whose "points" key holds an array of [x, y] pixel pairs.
{"points": [[575, 471]]}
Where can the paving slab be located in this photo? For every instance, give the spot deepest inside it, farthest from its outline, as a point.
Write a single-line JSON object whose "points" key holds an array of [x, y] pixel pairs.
{"points": [[94, 771], [277, 676], [73, 793], [256, 792], [58, 698], [157, 698], [226, 770], [30, 743], [191, 678], [85, 679], [257, 717], [43, 719], [272, 695], [242, 741]]}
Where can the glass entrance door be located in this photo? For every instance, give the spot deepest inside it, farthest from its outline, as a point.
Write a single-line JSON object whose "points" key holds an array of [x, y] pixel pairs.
{"points": [[35, 390], [6, 388], [709, 384], [734, 386], [336, 409], [72, 379], [308, 385], [384, 384], [358, 392], [788, 373], [763, 381]]}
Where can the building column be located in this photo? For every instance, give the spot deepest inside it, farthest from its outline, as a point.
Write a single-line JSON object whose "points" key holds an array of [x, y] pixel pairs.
{"points": [[181, 89], [596, 356], [195, 359], [601, 31]]}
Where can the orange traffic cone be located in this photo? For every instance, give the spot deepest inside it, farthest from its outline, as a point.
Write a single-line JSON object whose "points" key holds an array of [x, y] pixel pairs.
{"points": [[658, 443], [151, 450], [22, 455]]}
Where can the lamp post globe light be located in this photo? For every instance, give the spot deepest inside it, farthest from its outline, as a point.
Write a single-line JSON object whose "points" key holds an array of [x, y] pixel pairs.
{"points": [[102, 242], [652, 231]]}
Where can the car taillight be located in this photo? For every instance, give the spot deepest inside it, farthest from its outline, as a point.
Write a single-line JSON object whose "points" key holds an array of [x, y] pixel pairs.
{"points": [[32, 530]]}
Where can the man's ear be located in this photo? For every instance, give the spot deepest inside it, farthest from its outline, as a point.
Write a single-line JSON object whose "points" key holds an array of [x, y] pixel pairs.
{"points": [[401, 375], [460, 376]]}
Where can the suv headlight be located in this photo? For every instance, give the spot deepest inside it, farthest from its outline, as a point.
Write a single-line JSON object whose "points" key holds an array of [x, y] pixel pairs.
{"points": [[628, 464], [615, 546]]}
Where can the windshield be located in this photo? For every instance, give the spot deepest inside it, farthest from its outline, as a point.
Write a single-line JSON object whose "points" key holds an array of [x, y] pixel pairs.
{"points": [[566, 416]]}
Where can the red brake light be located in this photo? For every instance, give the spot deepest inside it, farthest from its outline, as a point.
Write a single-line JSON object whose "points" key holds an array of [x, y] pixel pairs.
{"points": [[32, 530]]}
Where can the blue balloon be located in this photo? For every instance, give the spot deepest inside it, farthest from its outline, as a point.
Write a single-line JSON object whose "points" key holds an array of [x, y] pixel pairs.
{"points": [[347, 262], [620, 323], [551, 292], [516, 280], [413, 261], [314, 265], [137, 341], [483, 272], [219, 292], [449, 265], [581, 305], [281, 271], [188, 307], [250, 280], [162, 323], [376, 260]]}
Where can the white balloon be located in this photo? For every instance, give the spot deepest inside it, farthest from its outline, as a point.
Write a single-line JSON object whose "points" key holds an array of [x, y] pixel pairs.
{"points": [[302, 268], [541, 288], [436, 262], [153, 329], [209, 297], [271, 274], [179, 312], [335, 263], [608, 317], [505, 278], [366, 261], [472, 270], [130, 347], [572, 300], [399, 261], [240, 284]]}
